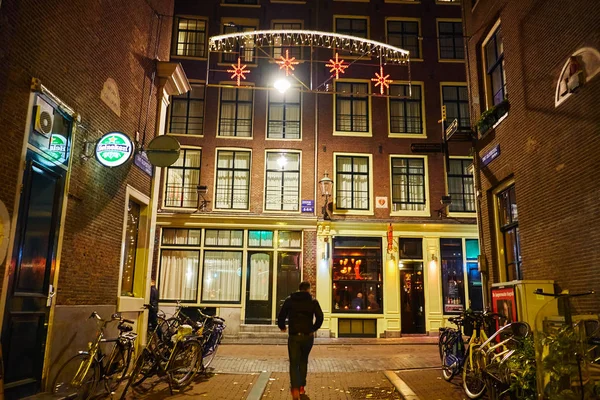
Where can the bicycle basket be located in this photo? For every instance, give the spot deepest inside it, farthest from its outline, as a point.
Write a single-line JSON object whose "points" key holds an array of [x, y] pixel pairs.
{"points": [[182, 331]]}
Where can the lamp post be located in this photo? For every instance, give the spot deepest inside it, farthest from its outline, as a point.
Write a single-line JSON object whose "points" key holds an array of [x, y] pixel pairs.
{"points": [[326, 184]]}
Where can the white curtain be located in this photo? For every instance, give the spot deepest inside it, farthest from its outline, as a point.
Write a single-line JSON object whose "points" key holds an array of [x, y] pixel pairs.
{"points": [[344, 182], [181, 236], [260, 265], [178, 278], [222, 276]]}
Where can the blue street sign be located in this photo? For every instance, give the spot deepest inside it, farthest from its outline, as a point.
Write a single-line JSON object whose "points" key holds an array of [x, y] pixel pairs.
{"points": [[308, 206], [141, 160], [490, 155]]}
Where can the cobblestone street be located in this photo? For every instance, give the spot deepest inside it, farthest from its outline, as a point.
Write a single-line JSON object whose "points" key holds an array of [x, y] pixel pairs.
{"points": [[336, 372]]}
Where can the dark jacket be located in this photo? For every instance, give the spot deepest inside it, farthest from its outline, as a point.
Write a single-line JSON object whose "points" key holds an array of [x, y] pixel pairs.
{"points": [[300, 308]]}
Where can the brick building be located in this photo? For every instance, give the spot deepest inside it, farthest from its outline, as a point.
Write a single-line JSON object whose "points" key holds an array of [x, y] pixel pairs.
{"points": [[70, 74], [533, 67], [242, 217]]}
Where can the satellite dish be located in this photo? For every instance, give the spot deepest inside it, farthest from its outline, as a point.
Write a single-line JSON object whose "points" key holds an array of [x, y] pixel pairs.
{"points": [[163, 151]]}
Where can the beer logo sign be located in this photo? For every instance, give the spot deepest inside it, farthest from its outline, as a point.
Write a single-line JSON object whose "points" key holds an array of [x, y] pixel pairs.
{"points": [[114, 149], [58, 146]]}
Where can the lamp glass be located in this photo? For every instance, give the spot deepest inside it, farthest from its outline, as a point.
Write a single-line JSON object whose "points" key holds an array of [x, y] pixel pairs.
{"points": [[282, 85]]}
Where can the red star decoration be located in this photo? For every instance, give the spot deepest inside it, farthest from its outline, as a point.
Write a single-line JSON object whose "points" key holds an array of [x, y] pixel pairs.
{"points": [[337, 66], [287, 63], [238, 71], [382, 81]]}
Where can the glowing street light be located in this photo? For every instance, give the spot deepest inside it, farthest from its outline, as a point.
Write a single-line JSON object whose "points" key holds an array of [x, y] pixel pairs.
{"points": [[282, 85]]}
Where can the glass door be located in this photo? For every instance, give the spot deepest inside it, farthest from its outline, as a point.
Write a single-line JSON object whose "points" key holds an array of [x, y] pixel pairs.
{"points": [[412, 297], [259, 288]]}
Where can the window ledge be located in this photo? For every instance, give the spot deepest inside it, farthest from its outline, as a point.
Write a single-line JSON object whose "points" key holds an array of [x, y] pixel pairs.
{"points": [[233, 210], [285, 139], [410, 214], [235, 137], [349, 133], [175, 210], [291, 212], [189, 57], [451, 60], [184, 135], [462, 214], [407, 135], [352, 212]]}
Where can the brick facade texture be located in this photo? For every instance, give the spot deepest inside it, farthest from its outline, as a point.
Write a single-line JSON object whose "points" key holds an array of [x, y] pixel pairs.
{"points": [[550, 153], [73, 48], [309, 260]]}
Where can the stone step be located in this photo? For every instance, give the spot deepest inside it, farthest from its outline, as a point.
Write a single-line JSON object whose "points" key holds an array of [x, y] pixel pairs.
{"points": [[259, 328]]}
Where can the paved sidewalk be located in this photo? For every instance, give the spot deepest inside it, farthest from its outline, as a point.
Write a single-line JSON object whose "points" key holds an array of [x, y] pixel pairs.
{"points": [[407, 340], [428, 384]]}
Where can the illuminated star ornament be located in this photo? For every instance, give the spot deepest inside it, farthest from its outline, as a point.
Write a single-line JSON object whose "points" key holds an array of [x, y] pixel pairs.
{"points": [[337, 66], [238, 71], [382, 80], [287, 63]]}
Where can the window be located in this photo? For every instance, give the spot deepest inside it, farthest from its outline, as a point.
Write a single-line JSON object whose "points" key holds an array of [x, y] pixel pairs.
{"points": [[178, 278], [282, 191], [222, 277], [224, 238], [460, 186], [405, 34], [182, 179], [451, 40], [494, 64], [408, 184], [181, 237], [456, 100], [473, 274], [406, 115], [352, 183], [260, 239], [244, 49], [190, 37], [233, 180], [132, 232], [357, 275], [186, 112], [290, 239], [235, 116], [279, 46], [352, 26], [453, 288], [351, 107], [284, 115], [509, 229]]}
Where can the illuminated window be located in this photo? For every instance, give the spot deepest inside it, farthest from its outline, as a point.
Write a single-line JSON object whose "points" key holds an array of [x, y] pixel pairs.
{"points": [[235, 114], [352, 183], [186, 112], [284, 115], [182, 179], [190, 37], [408, 184], [352, 107], [233, 180], [406, 111], [282, 184], [494, 64], [460, 186]]}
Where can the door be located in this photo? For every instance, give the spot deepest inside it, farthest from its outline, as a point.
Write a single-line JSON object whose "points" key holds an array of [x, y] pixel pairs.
{"points": [[288, 276], [412, 298], [259, 288], [29, 284]]}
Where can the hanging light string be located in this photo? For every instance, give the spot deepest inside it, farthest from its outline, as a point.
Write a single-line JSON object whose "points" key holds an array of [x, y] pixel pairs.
{"points": [[279, 38]]}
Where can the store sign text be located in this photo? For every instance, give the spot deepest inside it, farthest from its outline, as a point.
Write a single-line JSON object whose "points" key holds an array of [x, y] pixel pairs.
{"points": [[114, 149]]}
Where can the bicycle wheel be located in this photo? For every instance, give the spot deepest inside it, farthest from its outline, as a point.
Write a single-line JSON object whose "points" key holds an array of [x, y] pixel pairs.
{"points": [[210, 348], [185, 361], [442, 341], [116, 368], [447, 366], [77, 378], [473, 382]]}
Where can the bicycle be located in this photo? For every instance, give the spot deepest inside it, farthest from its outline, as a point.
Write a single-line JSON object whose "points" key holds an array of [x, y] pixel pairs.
{"points": [[452, 348], [180, 367], [78, 377]]}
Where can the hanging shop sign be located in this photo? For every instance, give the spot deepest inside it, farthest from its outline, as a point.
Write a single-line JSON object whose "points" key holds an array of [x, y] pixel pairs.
{"points": [[114, 149]]}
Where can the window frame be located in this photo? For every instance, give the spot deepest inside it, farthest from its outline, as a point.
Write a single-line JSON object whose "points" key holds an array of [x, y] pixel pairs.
{"points": [[369, 132], [299, 192], [285, 103], [419, 34], [350, 211], [224, 4], [219, 114], [253, 23], [489, 96], [442, 102], [216, 179], [462, 214], [421, 135], [439, 44], [175, 42], [345, 54], [300, 49], [183, 152], [426, 212], [174, 247], [500, 241], [170, 108]]}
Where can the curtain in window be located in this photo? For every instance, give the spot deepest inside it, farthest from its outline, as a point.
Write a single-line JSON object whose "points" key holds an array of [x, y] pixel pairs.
{"points": [[344, 114], [260, 265], [408, 184], [228, 108], [283, 186], [222, 276], [344, 182], [178, 278], [352, 183]]}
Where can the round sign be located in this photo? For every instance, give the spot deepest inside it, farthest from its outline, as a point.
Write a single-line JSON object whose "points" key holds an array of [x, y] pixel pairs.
{"points": [[163, 151], [114, 149]]}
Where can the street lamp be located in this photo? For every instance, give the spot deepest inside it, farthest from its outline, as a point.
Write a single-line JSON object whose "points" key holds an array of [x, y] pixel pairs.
{"points": [[282, 85], [326, 185]]}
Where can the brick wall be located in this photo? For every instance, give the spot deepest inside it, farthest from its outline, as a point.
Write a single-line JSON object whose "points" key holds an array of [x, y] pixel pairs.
{"points": [[551, 153], [73, 48], [309, 260]]}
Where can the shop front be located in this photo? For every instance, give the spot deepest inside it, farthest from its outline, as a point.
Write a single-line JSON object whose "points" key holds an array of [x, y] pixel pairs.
{"points": [[407, 280]]}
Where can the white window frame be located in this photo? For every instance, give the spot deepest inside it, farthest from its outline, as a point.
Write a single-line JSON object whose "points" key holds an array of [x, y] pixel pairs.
{"points": [[299, 121], [439, 45], [234, 149], [426, 212], [407, 19], [369, 131], [421, 135], [218, 127], [166, 174], [297, 211], [462, 214], [169, 109], [345, 211], [175, 41]]}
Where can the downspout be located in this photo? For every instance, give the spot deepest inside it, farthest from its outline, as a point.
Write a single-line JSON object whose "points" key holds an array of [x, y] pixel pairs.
{"points": [[315, 115], [476, 173]]}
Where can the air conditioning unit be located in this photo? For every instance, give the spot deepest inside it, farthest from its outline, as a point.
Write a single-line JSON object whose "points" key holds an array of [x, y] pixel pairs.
{"points": [[44, 117]]}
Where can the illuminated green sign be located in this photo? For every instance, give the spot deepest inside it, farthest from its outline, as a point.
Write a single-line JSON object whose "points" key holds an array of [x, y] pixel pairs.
{"points": [[58, 147], [114, 149]]}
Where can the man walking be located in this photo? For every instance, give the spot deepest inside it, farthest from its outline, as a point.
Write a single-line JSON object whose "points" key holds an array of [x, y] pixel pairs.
{"points": [[300, 309]]}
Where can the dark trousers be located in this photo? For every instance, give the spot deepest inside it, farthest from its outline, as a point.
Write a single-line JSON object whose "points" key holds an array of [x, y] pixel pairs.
{"points": [[299, 347]]}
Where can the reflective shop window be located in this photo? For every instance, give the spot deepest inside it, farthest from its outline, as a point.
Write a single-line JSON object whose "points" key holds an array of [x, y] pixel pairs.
{"points": [[473, 275], [453, 288]]}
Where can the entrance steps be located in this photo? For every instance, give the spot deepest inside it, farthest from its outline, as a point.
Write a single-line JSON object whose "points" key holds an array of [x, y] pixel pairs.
{"points": [[251, 331]]}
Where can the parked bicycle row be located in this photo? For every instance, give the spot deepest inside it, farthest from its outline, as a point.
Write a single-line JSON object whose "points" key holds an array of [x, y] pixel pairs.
{"points": [[558, 359], [178, 348]]}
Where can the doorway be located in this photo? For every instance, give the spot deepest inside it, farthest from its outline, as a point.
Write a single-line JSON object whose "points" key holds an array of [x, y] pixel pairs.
{"points": [[288, 276], [412, 298], [259, 288], [28, 301]]}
